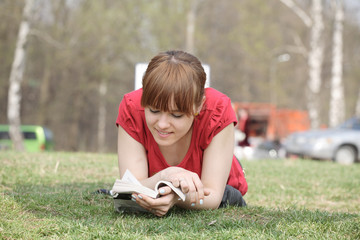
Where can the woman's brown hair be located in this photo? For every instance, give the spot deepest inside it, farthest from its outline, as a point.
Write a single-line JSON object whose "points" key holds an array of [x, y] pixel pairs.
{"points": [[174, 79]]}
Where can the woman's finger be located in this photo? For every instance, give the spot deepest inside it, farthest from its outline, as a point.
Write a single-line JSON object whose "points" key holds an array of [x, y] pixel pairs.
{"points": [[158, 206], [192, 193], [188, 187], [176, 181], [164, 190], [184, 185], [199, 189]]}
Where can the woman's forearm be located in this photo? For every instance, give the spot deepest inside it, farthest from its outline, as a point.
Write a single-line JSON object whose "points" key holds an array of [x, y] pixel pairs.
{"points": [[170, 174], [150, 182]]}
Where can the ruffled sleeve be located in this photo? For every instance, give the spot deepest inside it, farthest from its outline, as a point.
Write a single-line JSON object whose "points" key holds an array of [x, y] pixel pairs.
{"points": [[130, 116], [220, 114]]}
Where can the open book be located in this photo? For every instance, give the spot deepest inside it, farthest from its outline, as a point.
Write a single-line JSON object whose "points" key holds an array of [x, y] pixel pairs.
{"points": [[123, 189]]}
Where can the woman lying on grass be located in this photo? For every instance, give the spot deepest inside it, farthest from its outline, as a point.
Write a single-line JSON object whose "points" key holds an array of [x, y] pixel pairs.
{"points": [[176, 130]]}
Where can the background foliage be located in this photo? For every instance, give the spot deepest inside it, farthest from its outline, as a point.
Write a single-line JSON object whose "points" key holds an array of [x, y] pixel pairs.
{"points": [[75, 46]]}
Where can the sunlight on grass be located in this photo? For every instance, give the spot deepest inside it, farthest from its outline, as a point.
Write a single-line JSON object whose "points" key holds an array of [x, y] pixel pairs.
{"points": [[304, 183], [51, 196]]}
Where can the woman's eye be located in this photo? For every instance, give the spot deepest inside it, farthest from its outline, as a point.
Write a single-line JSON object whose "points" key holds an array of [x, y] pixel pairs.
{"points": [[174, 114], [177, 115], [153, 111]]}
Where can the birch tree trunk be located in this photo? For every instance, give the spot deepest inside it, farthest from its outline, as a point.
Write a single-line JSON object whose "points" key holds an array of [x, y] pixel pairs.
{"points": [[315, 23], [315, 61], [190, 27], [102, 116], [357, 110], [337, 102], [16, 77]]}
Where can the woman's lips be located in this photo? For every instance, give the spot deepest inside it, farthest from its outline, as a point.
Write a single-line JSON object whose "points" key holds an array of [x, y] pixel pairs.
{"points": [[163, 133]]}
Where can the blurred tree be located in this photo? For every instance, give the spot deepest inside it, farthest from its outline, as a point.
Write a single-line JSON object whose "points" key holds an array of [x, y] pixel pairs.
{"points": [[337, 101], [314, 21], [357, 110], [190, 26], [16, 78], [11, 15], [79, 48], [233, 43], [351, 61], [101, 134]]}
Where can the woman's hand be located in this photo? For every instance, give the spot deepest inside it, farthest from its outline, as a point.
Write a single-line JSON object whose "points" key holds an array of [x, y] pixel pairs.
{"points": [[159, 206], [188, 181]]}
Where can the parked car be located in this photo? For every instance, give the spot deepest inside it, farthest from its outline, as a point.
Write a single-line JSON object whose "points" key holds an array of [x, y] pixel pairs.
{"points": [[269, 150], [340, 144], [36, 138], [260, 149]]}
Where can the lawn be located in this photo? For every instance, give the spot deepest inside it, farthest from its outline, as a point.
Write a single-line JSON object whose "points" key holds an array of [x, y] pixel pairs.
{"points": [[51, 196]]}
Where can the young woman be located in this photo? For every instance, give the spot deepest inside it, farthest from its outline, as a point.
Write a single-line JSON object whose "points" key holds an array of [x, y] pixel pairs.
{"points": [[176, 130]]}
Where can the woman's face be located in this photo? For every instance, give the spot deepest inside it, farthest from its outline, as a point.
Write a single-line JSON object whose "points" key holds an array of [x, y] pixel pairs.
{"points": [[168, 128]]}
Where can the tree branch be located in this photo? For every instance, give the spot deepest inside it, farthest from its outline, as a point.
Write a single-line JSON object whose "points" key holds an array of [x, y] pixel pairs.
{"points": [[47, 38], [298, 11]]}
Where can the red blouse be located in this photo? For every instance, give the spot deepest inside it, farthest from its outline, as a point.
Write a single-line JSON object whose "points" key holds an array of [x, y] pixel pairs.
{"points": [[216, 114]]}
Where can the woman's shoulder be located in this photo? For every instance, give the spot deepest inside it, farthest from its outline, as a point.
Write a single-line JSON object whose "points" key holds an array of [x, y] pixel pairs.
{"points": [[131, 104], [215, 98], [217, 106], [216, 114], [131, 115], [133, 99], [134, 95]]}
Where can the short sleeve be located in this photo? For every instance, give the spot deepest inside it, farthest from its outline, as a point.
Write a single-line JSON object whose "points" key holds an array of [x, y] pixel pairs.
{"points": [[130, 117], [221, 114]]}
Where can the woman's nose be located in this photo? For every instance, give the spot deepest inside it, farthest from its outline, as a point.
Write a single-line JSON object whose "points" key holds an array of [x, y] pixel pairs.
{"points": [[163, 121]]}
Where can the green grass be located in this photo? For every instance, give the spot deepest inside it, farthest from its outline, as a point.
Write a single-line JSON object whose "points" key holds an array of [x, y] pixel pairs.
{"points": [[50, 196]]}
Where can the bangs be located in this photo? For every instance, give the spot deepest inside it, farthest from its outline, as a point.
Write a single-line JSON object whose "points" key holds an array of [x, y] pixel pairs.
{"points": [[169, 88]]}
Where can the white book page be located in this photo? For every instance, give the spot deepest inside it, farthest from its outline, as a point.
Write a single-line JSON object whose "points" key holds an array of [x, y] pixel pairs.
{"points": [[175, 189], [129, 177]]}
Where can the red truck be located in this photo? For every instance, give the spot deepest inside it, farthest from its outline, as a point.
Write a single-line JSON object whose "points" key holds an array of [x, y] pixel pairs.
{"points": [[267, 124]]}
